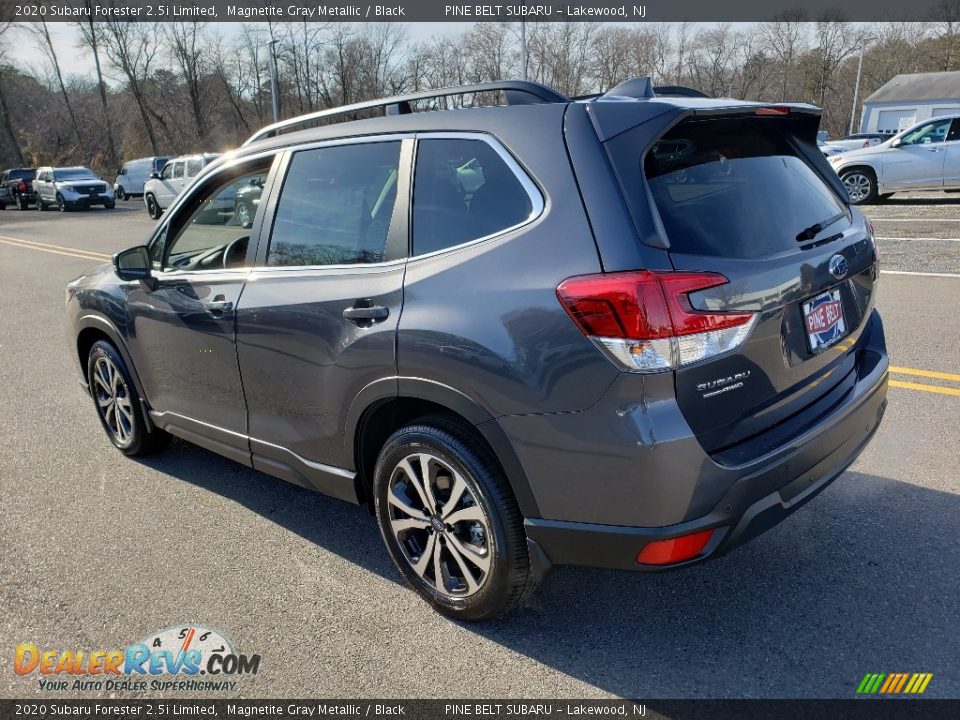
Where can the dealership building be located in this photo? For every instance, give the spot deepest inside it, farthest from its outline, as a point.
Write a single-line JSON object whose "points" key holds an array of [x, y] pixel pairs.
{"points": [[907, 99]]}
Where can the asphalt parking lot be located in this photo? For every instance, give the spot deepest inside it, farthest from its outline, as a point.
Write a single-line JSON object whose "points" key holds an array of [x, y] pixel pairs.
{"points": [[100, 550]]}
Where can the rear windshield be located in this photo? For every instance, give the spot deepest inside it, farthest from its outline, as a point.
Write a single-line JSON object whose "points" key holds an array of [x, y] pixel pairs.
{"points": [[738, 188], [21, 174]]}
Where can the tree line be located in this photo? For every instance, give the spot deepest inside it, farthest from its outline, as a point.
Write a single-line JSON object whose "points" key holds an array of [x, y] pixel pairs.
{"points": [[171, 88]]}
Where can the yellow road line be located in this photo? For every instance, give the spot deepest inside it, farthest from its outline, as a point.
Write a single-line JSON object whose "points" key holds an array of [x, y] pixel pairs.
{"points": [[925, 373], [39, 245], [925, 388]]}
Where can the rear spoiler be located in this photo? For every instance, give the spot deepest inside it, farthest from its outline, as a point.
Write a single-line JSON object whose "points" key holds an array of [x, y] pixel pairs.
{"points": [[611, 119]]}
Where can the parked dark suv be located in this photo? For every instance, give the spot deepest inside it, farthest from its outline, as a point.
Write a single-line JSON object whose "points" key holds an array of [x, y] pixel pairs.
{"points": [[628, 332]]}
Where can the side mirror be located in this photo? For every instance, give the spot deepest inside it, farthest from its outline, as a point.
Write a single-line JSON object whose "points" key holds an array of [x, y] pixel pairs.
{"points": [[154, 176], [134, 264], [896, 143]]}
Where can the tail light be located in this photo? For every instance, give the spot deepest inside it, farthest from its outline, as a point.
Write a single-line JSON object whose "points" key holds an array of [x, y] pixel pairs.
{"points": [[22, 187], [644, 320], [668, 552]]}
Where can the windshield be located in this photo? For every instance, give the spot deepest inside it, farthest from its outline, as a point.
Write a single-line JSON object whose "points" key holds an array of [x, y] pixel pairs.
{"points": [[74, 174], [21, 174], [737, 188]]}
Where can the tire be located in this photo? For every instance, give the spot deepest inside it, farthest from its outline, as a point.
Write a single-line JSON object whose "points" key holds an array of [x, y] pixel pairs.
{"points": [[861, 185], [153, 207], [243, 215], [121, 193], [62, 204], [110, 381], [2, 206], [40, 206], [21, 203], [490, 528], [109, 204]]}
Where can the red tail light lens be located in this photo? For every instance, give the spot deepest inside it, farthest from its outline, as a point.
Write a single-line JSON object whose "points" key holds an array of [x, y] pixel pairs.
{"points": [[22, 187], [675, 550], [645, 319]]}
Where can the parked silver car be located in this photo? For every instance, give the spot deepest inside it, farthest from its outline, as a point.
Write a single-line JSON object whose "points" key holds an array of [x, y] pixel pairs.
{"points": [[923, 157], [71, 187], [160, 190]]}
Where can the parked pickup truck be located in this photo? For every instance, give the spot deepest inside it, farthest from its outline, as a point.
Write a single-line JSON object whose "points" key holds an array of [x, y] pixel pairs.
{"points": [[16, 188]]}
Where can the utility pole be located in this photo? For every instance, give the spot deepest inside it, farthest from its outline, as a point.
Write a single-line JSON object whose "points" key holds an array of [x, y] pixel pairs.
{"points": [[856, 87], [523, 47], [273, 82]]}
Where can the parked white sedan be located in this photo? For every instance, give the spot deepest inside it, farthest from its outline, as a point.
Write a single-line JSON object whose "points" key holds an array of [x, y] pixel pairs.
{"points": [[923, 157]]}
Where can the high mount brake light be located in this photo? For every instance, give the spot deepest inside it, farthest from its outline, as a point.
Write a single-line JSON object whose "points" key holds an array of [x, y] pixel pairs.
{"points": [[645, 322], [772, 111]]}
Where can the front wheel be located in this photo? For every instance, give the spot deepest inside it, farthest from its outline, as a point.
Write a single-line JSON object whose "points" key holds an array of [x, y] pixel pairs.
{"points": [[118, 403], [109, 204], [861, 186], [61, 203], [153, 207], [450, 521], [121, 193]]}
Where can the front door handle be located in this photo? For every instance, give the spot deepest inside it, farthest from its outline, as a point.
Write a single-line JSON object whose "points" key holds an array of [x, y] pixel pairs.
{"points": [[219, 305], [366, 313]]}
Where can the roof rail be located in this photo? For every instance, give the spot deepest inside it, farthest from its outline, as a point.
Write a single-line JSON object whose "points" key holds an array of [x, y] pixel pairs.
{"points": [[517, 92]]}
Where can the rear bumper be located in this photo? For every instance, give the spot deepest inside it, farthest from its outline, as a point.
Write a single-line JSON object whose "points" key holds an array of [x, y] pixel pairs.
{"points": [[771, 489]]}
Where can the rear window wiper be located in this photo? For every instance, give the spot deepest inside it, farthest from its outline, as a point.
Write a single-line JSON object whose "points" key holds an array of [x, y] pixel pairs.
{"points": [[811, 232]]}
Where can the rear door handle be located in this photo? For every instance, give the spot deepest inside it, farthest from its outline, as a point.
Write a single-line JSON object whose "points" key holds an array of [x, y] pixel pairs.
{"points": [[371, 313]]}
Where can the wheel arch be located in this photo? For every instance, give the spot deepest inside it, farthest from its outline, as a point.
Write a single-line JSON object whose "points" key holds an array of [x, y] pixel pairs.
{"points": [[91, 328], [386, 405]]}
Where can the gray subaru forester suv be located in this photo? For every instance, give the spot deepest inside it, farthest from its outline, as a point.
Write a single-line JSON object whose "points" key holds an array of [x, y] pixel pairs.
{"points": [[630, 331]]}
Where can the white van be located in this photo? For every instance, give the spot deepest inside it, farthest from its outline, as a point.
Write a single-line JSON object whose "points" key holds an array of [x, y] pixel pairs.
{"points": [[134, 173], [160, 190]]}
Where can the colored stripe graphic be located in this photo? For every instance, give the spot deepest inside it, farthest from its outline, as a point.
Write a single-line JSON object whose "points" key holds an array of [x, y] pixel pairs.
{"points": [[894, 683]]}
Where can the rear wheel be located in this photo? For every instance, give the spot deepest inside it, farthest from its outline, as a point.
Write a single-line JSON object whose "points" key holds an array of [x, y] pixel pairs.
{"points": [[243, 214], [861, 185], [40, 206], [153, 208], [121, 193], [450, 521], [118, 403]]}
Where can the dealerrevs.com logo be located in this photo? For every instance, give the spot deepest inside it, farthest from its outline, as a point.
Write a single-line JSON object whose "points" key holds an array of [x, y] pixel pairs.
{"points": [[183, 657]]}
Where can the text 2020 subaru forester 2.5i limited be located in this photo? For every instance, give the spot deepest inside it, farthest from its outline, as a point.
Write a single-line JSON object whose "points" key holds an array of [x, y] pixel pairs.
{"points": [[629, 332]]}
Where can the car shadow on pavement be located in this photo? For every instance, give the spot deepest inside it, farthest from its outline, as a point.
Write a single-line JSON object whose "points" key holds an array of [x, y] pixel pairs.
{"points": [[863, 579]]}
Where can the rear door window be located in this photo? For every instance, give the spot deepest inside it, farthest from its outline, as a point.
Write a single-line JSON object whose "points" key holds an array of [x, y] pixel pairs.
{"points": [[336, 205], [463, 190], [194, 166], [738, 188]]}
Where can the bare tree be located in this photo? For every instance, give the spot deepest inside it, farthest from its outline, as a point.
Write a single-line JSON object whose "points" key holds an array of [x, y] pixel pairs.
{"points": [[5, 29], [785, 38], [42, 35], [131, 48], [186, 39], [88, 38]]}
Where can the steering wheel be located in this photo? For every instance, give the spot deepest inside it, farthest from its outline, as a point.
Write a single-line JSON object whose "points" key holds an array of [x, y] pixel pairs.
{"points": [[238, 246]]}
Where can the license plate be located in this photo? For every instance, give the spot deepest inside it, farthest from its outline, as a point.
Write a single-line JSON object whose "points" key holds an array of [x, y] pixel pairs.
{"points": [[823, 318]]}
